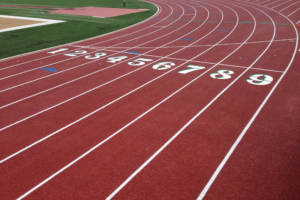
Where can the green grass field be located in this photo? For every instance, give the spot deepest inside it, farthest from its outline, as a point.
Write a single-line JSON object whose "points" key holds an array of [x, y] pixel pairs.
{"points": [[75, 28]]}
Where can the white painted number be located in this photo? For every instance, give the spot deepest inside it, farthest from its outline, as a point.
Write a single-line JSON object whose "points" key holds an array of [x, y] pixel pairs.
{"points": [[116, 59], [139, 61], [163, 65], [95, 56], [58, 50], [76, 53], [259, 79], [191, 68], [222, 74]]}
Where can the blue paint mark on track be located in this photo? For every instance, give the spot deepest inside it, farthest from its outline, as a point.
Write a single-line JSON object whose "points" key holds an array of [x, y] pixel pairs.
{"points": [[49, 69], [245, 22], [187, 39], [223, 29], [133, 52]]}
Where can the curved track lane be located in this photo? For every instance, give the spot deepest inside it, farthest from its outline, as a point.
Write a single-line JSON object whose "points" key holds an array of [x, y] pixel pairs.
{"points": [[175, 107]]}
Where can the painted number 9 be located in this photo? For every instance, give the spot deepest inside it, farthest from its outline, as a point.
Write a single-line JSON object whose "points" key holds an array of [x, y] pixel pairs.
{"points": [[259, 79]]}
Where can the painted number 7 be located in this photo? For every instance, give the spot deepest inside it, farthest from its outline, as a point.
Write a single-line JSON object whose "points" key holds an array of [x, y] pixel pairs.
{"points": [[191, 68]]}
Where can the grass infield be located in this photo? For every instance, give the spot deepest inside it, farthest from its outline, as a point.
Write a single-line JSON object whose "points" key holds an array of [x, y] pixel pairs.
{"points": [[75, 28]]}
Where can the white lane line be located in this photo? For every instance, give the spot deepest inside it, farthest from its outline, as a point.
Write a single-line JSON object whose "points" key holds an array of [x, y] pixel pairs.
{"points": [[265, 2], [235, 144], [72, 98], [135, 173], [293, 12], [284, 2], [289, 6], [263, 68], [201, 45], [272, 3]]}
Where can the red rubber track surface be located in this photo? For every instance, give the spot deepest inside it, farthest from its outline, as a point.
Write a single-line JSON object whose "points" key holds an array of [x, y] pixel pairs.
{"points": [[201, 101]]}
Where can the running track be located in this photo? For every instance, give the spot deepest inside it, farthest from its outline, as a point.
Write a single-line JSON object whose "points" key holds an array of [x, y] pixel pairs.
{"points": [[201, 101]]}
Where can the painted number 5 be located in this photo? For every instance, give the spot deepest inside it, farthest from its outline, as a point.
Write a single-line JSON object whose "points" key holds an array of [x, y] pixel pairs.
{"points": [[139, 62]]}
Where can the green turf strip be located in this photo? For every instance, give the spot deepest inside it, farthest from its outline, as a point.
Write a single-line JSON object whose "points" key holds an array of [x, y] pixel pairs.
{"points": [[75, 28]]}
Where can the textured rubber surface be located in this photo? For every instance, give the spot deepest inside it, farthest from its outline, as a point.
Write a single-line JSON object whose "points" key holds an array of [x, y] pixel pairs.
{"points": [[201, 101]]}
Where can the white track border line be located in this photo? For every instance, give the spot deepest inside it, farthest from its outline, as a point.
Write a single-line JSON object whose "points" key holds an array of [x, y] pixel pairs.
{"points": [[289, 6], [242, 134], [205, 62], [42, 22], [271, 3], [137, 171], [265, 2], [99, 144], [284, 2], [201, 45], [295, 11], [92, 38]]}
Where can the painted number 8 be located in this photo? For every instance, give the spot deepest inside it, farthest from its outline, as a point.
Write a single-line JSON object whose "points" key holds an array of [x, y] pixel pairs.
{"points": [[222, 74]]}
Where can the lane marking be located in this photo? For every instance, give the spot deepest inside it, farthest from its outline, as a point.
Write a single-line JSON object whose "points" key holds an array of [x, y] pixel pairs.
{"points": [[284, 2], [203, 45], [262, 68], [295, 11], [132, 52], [49, 69], [187, 39], [289, 6]]}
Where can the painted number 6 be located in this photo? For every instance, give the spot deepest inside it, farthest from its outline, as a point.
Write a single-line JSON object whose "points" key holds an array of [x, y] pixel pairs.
{"points": [[163, 65]]}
